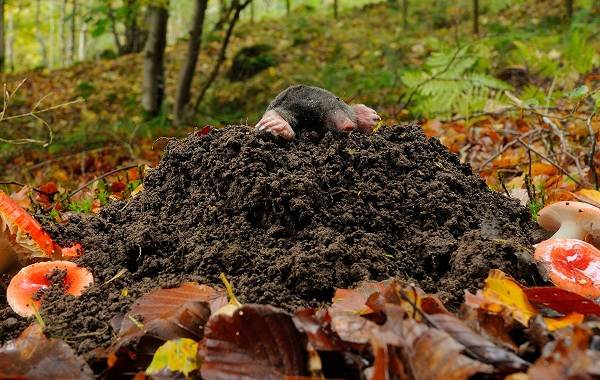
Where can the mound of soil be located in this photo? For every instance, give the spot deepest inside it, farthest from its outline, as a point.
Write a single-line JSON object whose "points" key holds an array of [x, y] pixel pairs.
{"points": [[288, 222]]}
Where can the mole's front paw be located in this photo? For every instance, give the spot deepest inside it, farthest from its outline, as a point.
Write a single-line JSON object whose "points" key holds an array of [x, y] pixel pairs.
{"points": [[366, 118], [273, 122]]}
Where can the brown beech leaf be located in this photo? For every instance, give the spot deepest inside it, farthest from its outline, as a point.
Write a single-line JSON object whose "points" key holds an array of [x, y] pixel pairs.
{"points": [[560, 300], [166, 314], [427, 353], [569, 357], [162, 303], [339, 358], [354, 301], [257, 341], [496, 327], [33, 356], [482, 348]]}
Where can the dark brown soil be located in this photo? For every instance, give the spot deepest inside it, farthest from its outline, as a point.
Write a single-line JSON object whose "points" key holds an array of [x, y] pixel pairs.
{"points": [[288, 222]]}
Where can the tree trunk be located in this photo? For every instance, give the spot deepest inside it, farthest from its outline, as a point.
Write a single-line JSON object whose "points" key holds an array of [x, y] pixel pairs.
{"points": [[288, 7], [82, 41], [335, 9], [405, 14], [62, 31], [10, 42], [134, 35], [225, 14], [153, 88], [52, 35], [569, 4], [73, 32], [39, 36], [475, 17], [252, 13], [183, 96], [113, 27], [2, 40], [222, 52]]}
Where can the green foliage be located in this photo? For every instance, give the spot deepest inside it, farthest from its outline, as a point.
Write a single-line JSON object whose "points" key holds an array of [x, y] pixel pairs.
{"points": [[449, 84], [578, 52], [250, 61], [83, 206]]}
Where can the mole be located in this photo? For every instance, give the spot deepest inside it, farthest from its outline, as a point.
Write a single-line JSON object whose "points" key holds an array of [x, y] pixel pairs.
{"points": [[306, 107]]}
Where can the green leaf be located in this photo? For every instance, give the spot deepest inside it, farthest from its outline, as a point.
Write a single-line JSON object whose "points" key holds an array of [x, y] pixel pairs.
{"points": [[178, 355], [579, 92]]}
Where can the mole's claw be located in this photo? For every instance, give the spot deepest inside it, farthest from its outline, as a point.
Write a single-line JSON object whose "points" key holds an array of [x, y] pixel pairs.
{"points": [[366, 118], [276, 124]]}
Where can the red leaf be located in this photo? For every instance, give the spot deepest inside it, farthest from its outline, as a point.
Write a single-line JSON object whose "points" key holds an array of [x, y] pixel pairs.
{"points": [[257, 341], [204, 131], [33, 356], [117, 187], [561, 300]]}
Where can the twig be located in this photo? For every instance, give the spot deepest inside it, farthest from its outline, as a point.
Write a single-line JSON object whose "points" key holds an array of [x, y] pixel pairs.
{"points": [[42, 110], [504, 149], [23, 185], [107, 174], [33, 113], [551, 162]]}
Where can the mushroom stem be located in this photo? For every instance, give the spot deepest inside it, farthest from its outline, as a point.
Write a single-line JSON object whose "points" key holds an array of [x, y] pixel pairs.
{"points": [[570, 229]]}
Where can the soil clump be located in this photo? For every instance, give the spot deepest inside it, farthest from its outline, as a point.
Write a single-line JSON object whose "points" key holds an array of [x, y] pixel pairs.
{"points": [[288, 222]]}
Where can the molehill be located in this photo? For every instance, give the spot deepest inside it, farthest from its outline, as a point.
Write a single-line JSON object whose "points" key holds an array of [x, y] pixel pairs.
{"points": [[288, 222]]}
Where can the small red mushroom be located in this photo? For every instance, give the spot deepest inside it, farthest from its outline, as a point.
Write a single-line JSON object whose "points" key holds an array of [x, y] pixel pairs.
{"points": [[25, 284], [571, 264], [22, 237]]}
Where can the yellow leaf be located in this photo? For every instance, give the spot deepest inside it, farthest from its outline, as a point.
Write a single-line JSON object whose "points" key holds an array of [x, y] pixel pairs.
{"points": [[178, 355], [501, 292], [588, 195]]}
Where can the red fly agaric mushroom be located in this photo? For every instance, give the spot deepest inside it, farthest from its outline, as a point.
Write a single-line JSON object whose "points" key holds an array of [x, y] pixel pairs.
{"points": [[22, 237], [571, 220], [25, 284], [571, 264]]}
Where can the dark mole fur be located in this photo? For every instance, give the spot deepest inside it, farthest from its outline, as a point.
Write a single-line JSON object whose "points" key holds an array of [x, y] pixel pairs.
{"points": [[309, 107]]}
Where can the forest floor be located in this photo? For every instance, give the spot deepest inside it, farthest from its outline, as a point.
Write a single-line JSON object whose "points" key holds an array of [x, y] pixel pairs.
{"points": [[292, 224]]}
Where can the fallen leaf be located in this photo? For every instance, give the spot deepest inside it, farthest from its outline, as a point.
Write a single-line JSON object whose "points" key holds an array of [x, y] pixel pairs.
{"points": [[257, 341], [339, 358], [354, 300], [501, 292], [567, 358], [178, 355], [33, 356], [429, 353], [166, 314], [589, 196], [483, 349], [163, 303], [561, 301]]}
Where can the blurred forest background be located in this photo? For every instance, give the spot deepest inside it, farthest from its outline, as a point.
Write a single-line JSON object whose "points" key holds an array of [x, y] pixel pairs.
{"points": [[92, 85]]}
